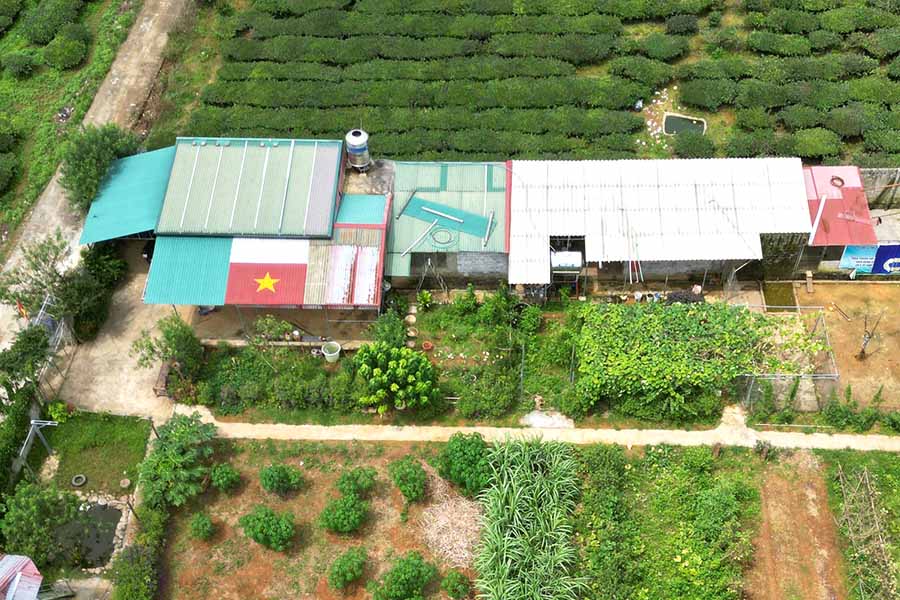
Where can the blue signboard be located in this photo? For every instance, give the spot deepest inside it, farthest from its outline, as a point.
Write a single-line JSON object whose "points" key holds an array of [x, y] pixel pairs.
{"points": [[887, 260], [860, 258]]}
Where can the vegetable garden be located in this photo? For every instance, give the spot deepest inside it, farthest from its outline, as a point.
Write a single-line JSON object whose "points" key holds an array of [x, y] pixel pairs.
{"points": [[499, 79]]}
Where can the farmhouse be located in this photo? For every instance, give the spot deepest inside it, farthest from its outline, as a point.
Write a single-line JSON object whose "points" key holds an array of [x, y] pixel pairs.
{"points": [[265, 224]]}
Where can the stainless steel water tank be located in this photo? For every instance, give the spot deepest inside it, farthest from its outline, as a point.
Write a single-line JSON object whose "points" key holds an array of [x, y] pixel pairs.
{"points": [[358, 149]]}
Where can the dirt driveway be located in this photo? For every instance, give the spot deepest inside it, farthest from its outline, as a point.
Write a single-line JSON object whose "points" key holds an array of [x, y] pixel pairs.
{"points": [[882, 365], [102, 376], [796, 555]]}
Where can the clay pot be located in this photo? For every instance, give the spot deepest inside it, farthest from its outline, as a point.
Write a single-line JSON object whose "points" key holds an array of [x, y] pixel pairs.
{"points": [[427, 346]]}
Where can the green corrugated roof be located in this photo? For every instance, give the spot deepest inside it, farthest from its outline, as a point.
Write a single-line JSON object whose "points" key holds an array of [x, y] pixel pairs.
{"points": [[361, 209], [130, 198], [477, 188], [397, 266], [241, 186], [189, 270]]}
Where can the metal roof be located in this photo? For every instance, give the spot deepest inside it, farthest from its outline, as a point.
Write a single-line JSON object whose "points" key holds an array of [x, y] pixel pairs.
{"points": [[188, 270], [475, 188], [345, 271], [252, 187], [845, 219], [130, 197], [361, 209], [659, 210], [19, 577]]}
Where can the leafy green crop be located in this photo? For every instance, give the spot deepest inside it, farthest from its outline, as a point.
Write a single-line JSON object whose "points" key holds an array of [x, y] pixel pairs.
{"points": [[347, 568], [409, 476], [268, 528], [463, 461], [396, 378]]}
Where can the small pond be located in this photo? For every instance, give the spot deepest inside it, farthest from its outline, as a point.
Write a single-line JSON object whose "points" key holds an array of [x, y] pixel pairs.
{"points": [[674, 123], [92, 540]]}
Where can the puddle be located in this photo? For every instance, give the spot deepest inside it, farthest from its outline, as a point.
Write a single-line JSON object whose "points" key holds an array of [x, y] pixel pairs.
{"points": [[674, 123]]}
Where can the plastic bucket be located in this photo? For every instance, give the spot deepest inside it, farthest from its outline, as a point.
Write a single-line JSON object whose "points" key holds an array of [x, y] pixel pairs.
{"points": [[332, 351]]}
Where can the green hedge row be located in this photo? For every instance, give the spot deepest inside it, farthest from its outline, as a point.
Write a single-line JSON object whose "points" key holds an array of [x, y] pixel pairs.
{"points": [[476, 68], [779, 43], [887, 140], [336, 23], [783, 20], [567, 120], [653, 73], [343, 52], [577, 49], [847, 19], [880, 44], [41, 23], [625, 9], [522, 92], [297, 7], [819, 94], [830, 67]]}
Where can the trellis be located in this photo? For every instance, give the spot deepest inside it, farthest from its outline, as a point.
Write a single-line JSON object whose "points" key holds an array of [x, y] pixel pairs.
{"points": [[862, 521]]}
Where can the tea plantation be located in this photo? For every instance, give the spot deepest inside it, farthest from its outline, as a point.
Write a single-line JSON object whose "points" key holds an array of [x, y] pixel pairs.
{"points": [[488, 79]]}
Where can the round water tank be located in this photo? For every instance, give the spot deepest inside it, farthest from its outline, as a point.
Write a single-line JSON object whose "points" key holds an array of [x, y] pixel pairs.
{"points": [[357, 142]]}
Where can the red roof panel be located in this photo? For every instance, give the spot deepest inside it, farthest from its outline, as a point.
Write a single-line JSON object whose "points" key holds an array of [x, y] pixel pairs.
{"points": [[845, 218]]}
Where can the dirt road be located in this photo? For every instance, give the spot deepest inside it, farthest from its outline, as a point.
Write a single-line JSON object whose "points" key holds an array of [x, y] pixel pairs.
{"points": [[119, 100]]}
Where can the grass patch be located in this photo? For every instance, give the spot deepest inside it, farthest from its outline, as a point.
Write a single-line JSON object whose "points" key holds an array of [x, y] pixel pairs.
{"points": [[105, 448], [33, 103]]}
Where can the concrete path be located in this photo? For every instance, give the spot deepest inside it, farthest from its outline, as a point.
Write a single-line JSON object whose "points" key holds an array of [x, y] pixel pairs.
{"points": [[731, 432], [119, 100]]}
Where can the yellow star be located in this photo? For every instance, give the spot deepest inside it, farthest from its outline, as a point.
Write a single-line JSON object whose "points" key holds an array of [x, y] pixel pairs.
{"points": [[266, 283]]}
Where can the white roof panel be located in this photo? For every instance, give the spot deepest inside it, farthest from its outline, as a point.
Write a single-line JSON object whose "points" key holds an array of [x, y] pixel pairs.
{"points": [[652, 210]]}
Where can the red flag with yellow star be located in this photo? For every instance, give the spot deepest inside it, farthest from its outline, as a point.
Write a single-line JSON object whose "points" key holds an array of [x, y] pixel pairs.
{"points": [[267, 272]]}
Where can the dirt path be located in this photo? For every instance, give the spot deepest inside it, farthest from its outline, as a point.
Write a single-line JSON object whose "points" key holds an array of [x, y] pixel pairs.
{"points": [[796, 550], [731, 432], [119, 100]]}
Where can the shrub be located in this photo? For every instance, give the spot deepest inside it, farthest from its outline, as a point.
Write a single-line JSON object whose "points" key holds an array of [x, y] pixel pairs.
{"points": [[389, 329], [663, 47], [133, 573], [891, 420], [265, 526], [9, 166], [409, 477], [31, 517], [357, 482], [76, 31], [650, 72], [874, 89], [817, 142], [281, 479], [425, 300], [86, 158], [693, 144], [707, 93], [406, 579], [43, 22], [754, 118], [820, 40], [456, 584], [9, 134], [177, 344], [202, 527], [790, 21], [19, 64], [715, 18], [396, 378], [345, 514], [780, 44], [64, 53], [493, 393], [856, 18], [846, 121], [681, 24], [347, 568], [225, 477], [463, 461], [8, 11], [800, 117]]}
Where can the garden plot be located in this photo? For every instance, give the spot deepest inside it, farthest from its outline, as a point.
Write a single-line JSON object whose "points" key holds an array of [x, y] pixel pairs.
{"points": [[230, 566], [881, 367]]}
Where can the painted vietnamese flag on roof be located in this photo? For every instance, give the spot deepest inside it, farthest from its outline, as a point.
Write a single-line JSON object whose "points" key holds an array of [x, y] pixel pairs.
{"points": [[267, 271]]}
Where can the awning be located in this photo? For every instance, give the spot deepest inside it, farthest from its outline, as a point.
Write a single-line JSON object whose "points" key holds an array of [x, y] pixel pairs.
{"points": [[845, 219], [130, 198]]}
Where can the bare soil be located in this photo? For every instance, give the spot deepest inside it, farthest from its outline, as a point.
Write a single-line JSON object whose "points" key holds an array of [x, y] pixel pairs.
{"points": [[881, 367], [796, 552], [231, 566]]}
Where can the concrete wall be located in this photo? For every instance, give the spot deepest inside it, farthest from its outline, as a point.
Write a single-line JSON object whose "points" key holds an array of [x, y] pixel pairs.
{"points": [[875, 182]]}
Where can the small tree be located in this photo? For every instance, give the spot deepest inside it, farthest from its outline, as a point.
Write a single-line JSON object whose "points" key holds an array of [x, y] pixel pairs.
{"points": [[178, 343], [40, 272], [389, 329], [409, 476], [406, 579], [86, 158], [173, 472], [345, 514], [463, 461], [397, 378], [224, 477], [20, 363], [347, 568], [64, 53], [281, 479], [19, 64], [30, 520], [268, 528], [357, 482]]}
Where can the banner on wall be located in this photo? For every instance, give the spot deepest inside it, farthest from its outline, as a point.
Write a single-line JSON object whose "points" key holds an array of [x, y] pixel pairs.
{"points": [[887, 260], [861, 258]]}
